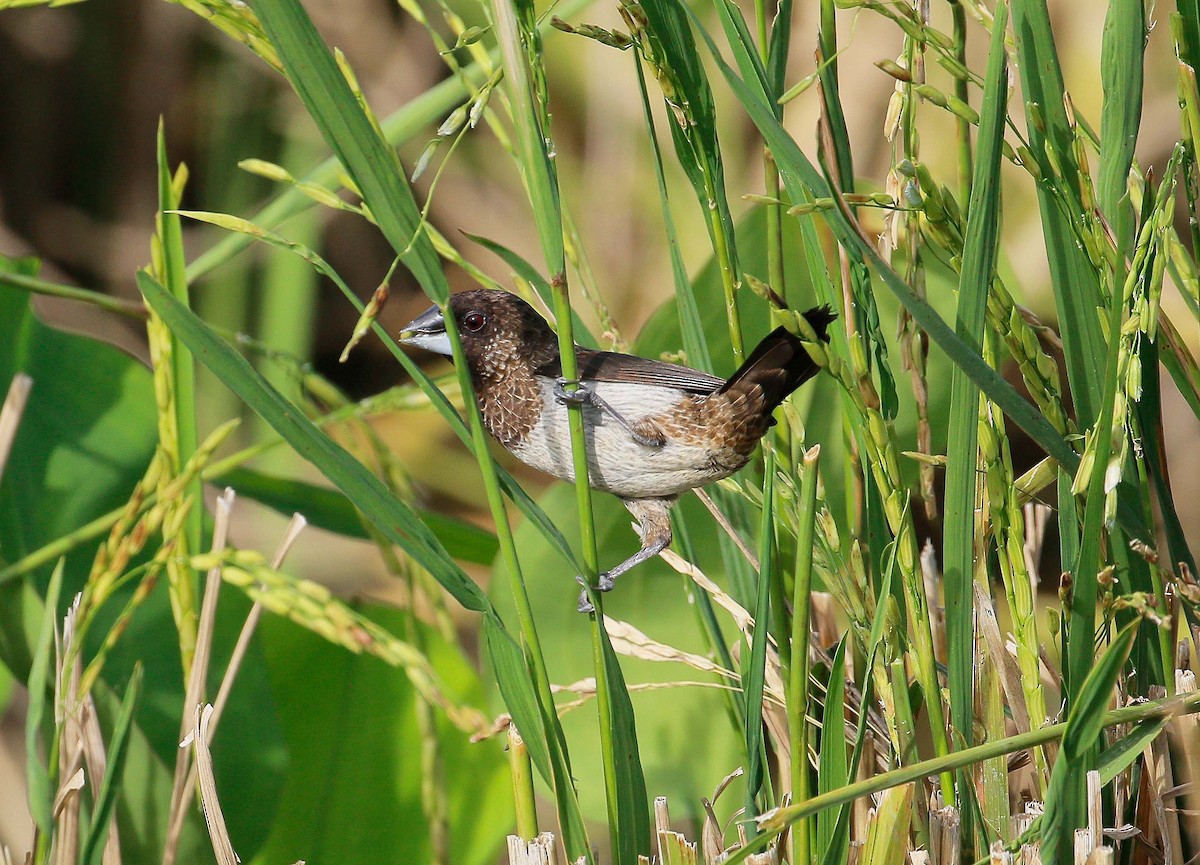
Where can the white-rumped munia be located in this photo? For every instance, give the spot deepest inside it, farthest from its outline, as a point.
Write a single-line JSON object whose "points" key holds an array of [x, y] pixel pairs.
{"points": [[653, 430]]}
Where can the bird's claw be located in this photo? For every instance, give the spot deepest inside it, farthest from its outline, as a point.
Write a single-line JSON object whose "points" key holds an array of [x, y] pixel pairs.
{"points": [[582, 395], [605, 583]]}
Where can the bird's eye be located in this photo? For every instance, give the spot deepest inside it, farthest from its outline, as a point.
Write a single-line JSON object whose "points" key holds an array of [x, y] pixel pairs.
{"points": [[474, 321]]}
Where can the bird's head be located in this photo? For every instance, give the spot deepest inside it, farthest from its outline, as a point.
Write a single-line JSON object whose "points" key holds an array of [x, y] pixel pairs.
{"points": [[497, 330]]}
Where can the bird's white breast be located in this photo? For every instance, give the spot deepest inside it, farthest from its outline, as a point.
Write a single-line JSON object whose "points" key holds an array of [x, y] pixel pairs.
{"points": [[616, 462]]}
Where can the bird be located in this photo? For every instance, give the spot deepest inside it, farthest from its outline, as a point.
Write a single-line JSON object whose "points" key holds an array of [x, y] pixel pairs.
{"points": [[653, 430]]}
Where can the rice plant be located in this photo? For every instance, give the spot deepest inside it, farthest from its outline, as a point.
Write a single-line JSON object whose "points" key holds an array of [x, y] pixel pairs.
{"points": [[868, 656]]}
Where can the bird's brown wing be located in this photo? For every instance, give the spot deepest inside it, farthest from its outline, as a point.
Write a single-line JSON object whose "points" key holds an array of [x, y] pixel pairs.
{"points": [[611, 366]]}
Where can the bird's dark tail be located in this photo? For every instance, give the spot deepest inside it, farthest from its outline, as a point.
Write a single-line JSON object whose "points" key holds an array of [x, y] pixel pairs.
{"points": [[779, 364]]}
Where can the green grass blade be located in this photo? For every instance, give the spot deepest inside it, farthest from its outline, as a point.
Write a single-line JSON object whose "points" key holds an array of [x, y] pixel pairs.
{"points": [[394, 519], [1082, 730], [741, 43], [1150, 419], [840, 832], [778, 48], [110, 785], [1121, 76], [798, 669], [372, 164], [33, 285], [530, 274], [670, 48], [1121, 754], [962, 479], [1189, 13], [543, 735], [179, 436], [843, 166], [508, 665], [38, 778], [832, 771], [842, 174], [1077, 291], [754, 670], [524, 80], [629, 781], [695, 344]]}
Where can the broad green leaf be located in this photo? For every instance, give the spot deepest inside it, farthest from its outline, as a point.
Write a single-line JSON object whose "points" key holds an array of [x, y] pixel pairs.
{"points": [[37, 771], [85, 439], [329, 509], [359, 755]]}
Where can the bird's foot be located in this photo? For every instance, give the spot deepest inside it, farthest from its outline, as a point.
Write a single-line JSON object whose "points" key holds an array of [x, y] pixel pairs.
{"points": [[582, 395], [645, 440], [604, 584]]}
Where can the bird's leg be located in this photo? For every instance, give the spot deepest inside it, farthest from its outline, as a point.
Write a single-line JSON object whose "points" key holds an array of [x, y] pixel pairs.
{"points": [[654, 527], [583, 395]]}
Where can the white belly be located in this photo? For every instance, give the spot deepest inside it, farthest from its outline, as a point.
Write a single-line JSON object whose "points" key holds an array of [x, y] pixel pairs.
{"points": [[616, 463]]}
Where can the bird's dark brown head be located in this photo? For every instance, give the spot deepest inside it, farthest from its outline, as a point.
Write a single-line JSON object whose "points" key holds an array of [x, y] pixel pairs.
{"points": [[499, 332]]}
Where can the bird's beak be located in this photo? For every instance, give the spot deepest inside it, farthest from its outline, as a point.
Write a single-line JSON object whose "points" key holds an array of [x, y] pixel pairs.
{"points": [[428, 331]]}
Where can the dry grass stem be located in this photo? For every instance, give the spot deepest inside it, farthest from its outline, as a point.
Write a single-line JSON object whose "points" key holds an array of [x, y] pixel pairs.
{"points": [[96, 762], [1010, 676], [294, 527], [217, 831], [628, 640], [11, 414], [72, 778], [673, 847], [728, 528], [542, 850], [184, 780], [741, 617]]}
